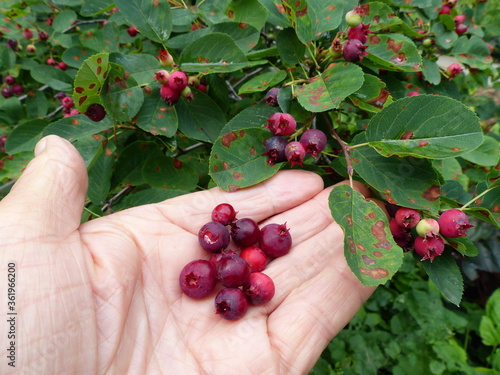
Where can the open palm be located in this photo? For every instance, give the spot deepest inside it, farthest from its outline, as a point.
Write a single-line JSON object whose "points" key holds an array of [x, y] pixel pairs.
{"points": [[104, 297]]}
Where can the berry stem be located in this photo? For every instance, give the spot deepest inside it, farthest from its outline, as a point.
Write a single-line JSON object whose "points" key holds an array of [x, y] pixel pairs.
{"points": [[477, 197]]}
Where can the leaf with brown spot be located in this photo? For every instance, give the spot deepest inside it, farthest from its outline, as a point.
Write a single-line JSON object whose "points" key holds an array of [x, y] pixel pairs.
{"points": [[237, 159], [93, 71], [369, 248], [394, 52]]}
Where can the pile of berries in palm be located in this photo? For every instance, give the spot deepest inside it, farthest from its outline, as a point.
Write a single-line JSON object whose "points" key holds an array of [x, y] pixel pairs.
{"points": [[238, 272], [280, 149], [425, 236]]}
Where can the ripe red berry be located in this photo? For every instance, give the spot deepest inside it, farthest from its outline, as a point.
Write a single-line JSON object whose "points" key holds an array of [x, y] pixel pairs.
{"points": [[231, 303], [275, 240], [459, 19], [95, 112], [453, 70], [354, 50], [27, 33], [445, 9], [359, 33], [12, 44], [224, 213], [255, 257], [259, 289], [281, 124], [245, 232], [407, 217], [461, 29], [170, 95], [9, 80], [51, 62], [17, 89], [132, 31], [314, 141], [197, 278], [213, 237], [67, 102], [215, 258], [275, 149], [232, 271], [401, 235], [202, 88], [271, 97], [454, 223], [429, 247], [178, 80], [295, 152], [62, 65]]}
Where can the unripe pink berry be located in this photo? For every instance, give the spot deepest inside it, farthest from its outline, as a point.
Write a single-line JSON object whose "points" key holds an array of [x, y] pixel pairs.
{"points": [[295, 153], [461, 29], [454, 223], [28, 34], [429, 247], [281, 124], [459, 19], [453, 70], [413, 93], [178, 80], [67, 102], [169, 95]]}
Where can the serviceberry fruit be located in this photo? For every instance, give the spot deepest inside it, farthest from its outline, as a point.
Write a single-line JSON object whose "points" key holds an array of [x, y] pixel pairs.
{"points": [[407, 217], [67, 102], [44, 36], [429, 247], [18, 89], [7, 92], [245, 232], [95, 112], [275, 149], [62, 65], [231, 303], [169, 94], [166, 59], [213, 237], [453, 70], [402, 236], [215, 258], [132, 31], [255, 257], [461, 29], [9, 80], [232, 271], [178, 80], [271, 97], [281, 124], [359, 33], [295, 152], [223, 213], [454, 223], [459, 19], [354, 50], [275, 240], [314, 141], [427, 228], [197, 278], [27, 33], [259, 288], [352, 18], [162, 76]]}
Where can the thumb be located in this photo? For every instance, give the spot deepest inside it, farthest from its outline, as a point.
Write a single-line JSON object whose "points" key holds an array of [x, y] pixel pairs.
{"points": [[49, 196]]}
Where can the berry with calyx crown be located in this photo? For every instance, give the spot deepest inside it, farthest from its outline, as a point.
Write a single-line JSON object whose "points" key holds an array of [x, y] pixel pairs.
{"points": [[454, 223], [427, 228], [354, 50], [295, 152], [314, 141], [281, 123], [275, 149], [429, 247], [352, 18]]}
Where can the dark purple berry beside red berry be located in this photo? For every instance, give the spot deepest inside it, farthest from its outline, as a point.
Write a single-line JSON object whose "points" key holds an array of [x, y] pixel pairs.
{"points": [[275, 149], [245, 232], [231, 303], [275, 240], [213, 237], [197, 278]]}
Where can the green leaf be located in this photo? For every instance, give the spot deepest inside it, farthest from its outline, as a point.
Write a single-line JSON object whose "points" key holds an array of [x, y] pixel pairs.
{"points": [[445, 274], [89, 81], [464, 246], [444, 37], [74, 56], [328, 89], [451, 169], [215, 52], [248, 12], [369, 247], [277, 15], [379, 15], [290, 48], [372, 96], [148, 196], [142, 67], [236, 159], [431, 72], [151, 17], [64, 19], [204, 127], [13, 166], [89, 147], [121, 96], [156, 117], [94, 7], [408, 182], [472, 51], [25, 136], [298, 13], [54, 78], [413, 3], [394, 52], [486, 155], [245, 36], [426, 126], [254, 116], [105, 39], [100, 175], [489, 328], [76, 127], [488, 206], [262, 82], [169, 173]]}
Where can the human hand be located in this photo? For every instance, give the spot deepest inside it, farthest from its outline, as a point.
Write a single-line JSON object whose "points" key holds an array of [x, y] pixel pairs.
{"points": [[103, 297]]}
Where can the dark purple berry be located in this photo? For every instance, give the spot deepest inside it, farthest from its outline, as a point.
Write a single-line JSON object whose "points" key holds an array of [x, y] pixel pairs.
{"points": [[245, 232], [213, 237], [95, 112], [7, 92], [402, 236], [18, 89], [281, 124], [454, 223], [197, 278], [354, 50], [314, 141], [232, 271], [429, 247], [223, 213], [215, 258], [407, 217], [178, 80], [275, 149], [12, 44], [255, 257], [275, 240], [271, 97], [295, 153], [9, 80], [461, 29], [43, 35], [359, 33], [259, 289], [231, 303]]}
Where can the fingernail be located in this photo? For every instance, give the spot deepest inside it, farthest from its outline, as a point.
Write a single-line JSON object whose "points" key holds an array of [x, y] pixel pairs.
{"points": [[40, 146]]}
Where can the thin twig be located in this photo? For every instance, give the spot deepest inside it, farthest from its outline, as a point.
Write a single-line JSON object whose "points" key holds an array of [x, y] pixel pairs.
{"points": [[183, 151], [127, 189], [8, 184], [81, 22]]}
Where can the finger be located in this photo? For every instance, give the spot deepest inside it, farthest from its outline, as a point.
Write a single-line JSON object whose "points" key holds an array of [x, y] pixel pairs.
{"points": [[283, 191], [48, 198]]}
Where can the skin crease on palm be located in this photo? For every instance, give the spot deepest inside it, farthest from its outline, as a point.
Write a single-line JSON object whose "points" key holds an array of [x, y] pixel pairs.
{"points": [[103, 297]]}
